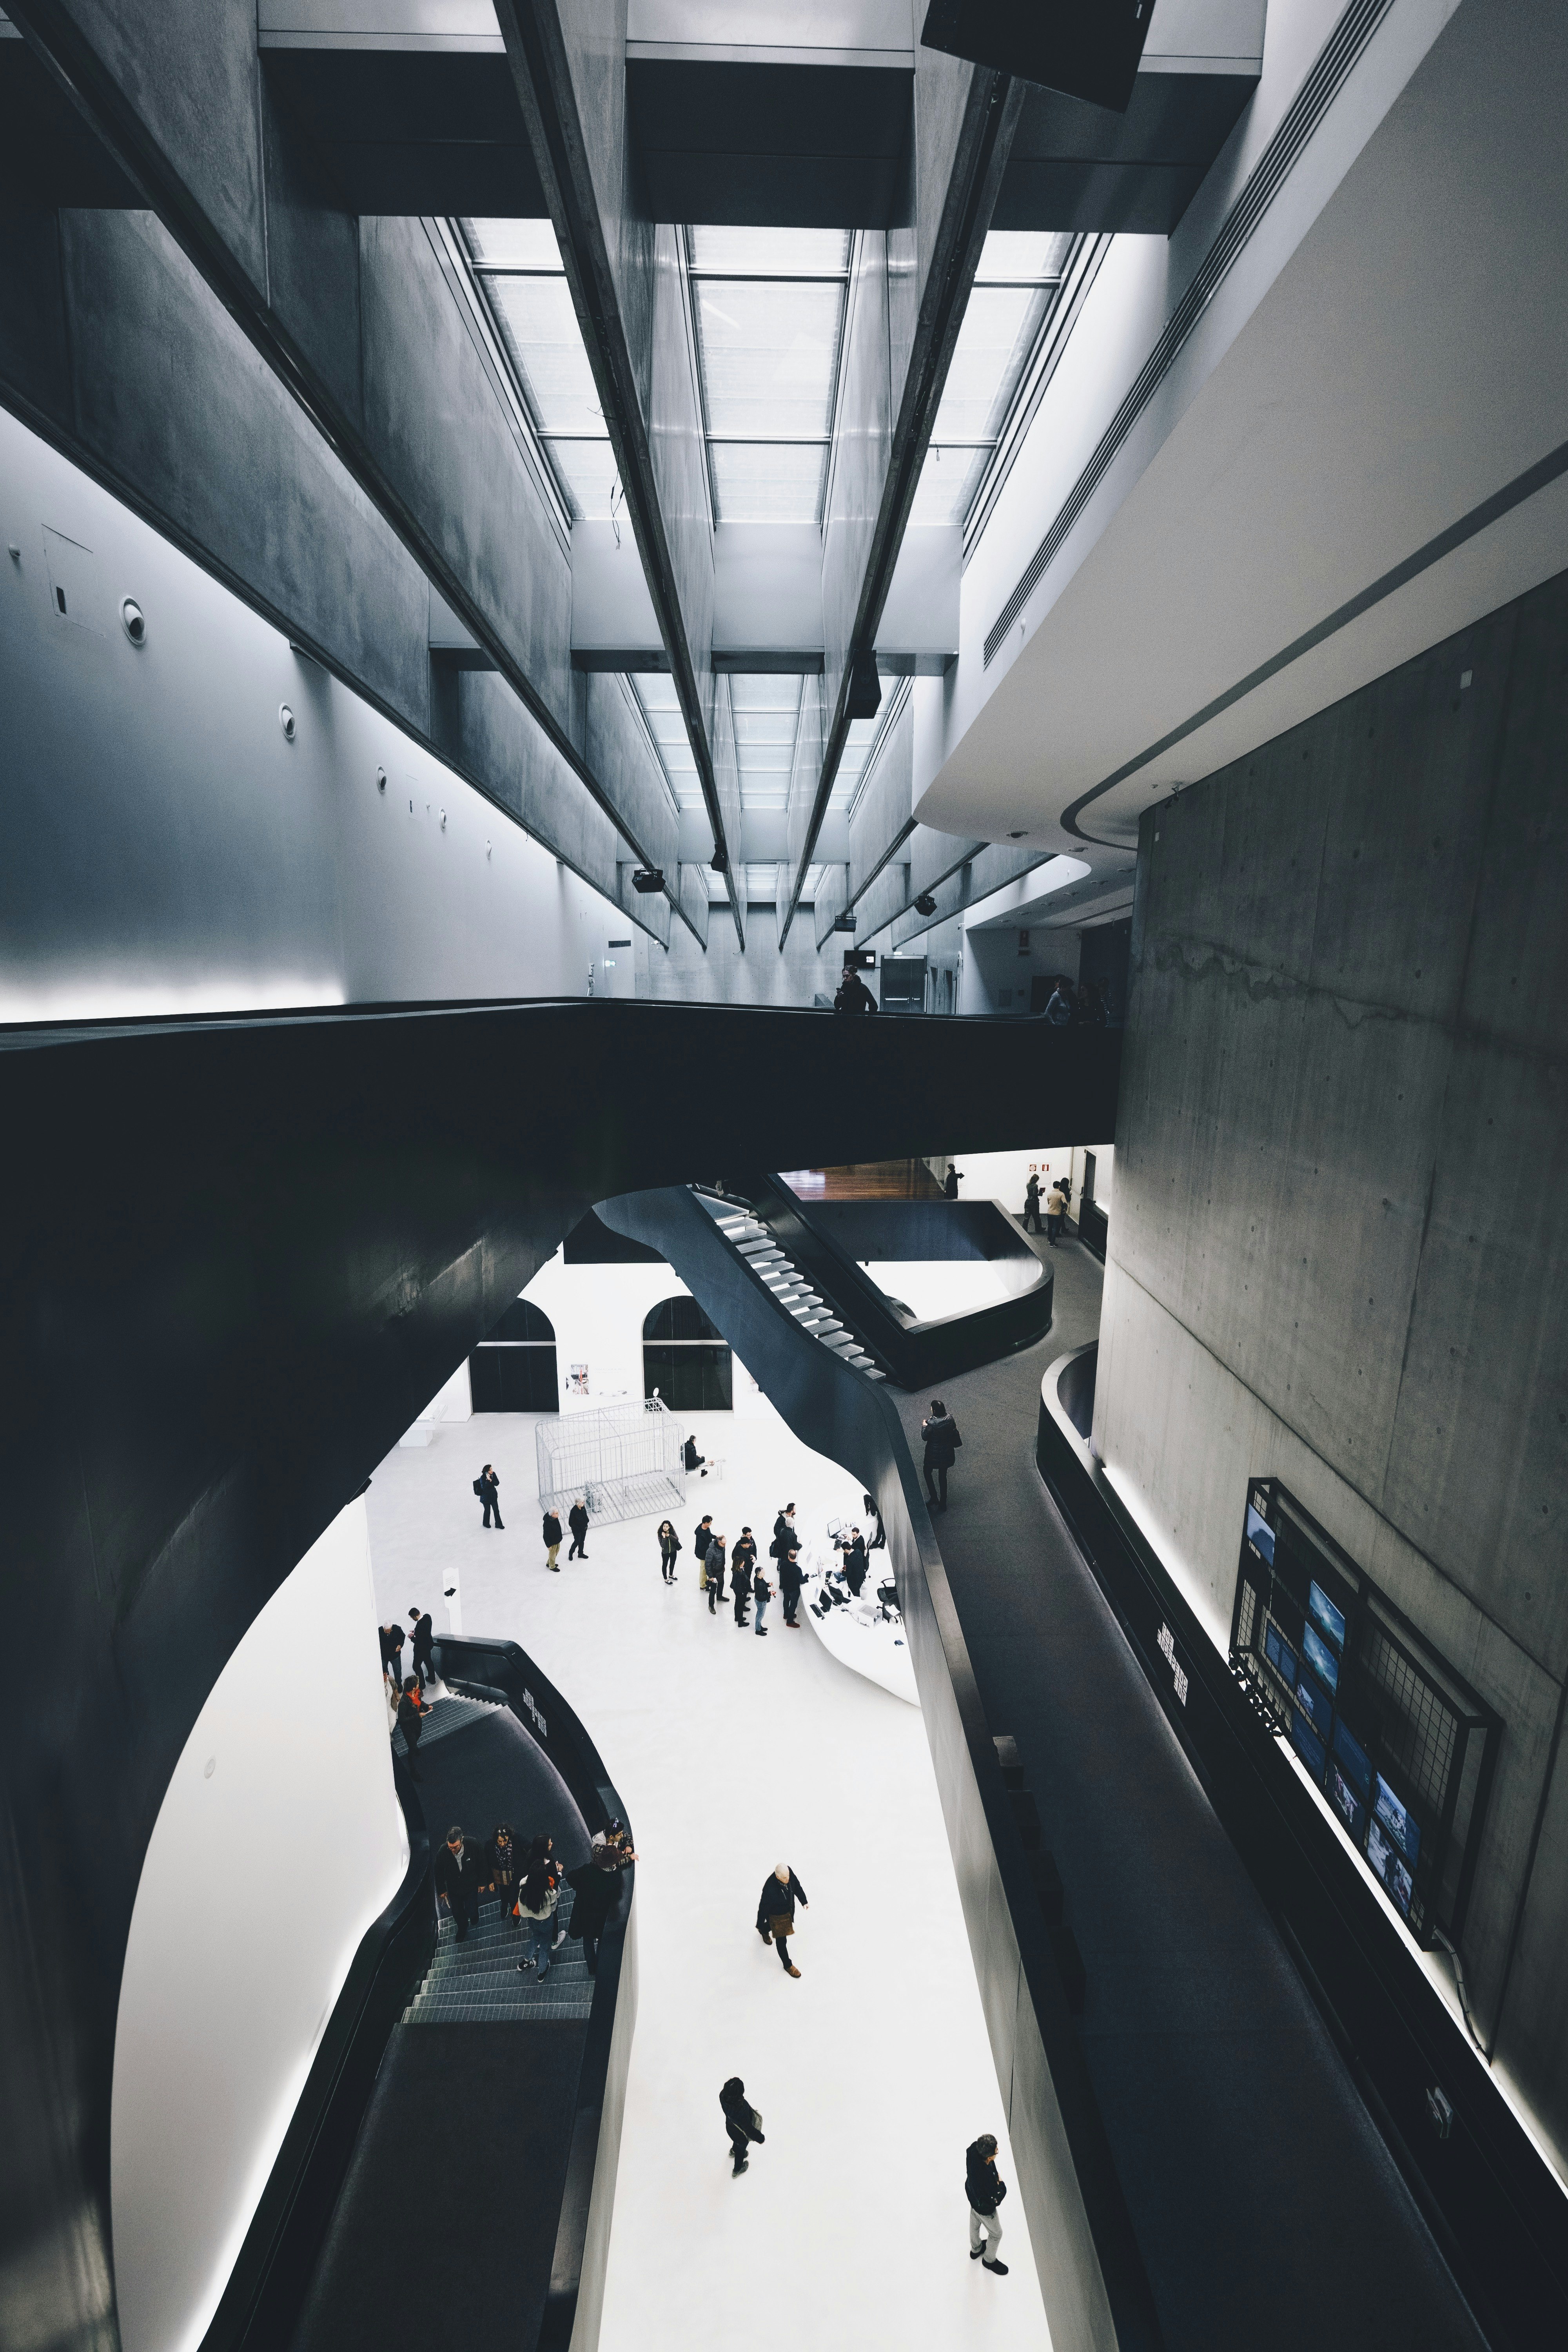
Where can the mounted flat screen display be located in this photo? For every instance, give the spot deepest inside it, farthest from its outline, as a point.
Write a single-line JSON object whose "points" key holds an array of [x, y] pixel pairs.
{"points": [[1356, 1763], [1388, 1866], [1280, 1656], [1320, 1657], [1325, 1616], [1402, 1828], [1308, 1746], [1316, 1703], [1260, 1535], [1350, 1806]]}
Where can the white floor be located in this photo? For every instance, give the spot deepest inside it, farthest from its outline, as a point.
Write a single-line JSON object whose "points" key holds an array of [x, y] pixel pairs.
{"points": [[873, 2071]]}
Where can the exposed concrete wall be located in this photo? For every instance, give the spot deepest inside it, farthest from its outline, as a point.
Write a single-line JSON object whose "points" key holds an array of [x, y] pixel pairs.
{"points": [[1340, 1246], [722, 975]]}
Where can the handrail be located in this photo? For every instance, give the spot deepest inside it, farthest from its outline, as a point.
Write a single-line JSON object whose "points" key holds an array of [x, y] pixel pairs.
{"points": [[575, 2292]]}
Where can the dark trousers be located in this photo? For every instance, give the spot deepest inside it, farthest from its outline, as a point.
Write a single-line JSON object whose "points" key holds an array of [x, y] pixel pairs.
{"points": [[465, 1902], [423, 1666], [669, 1567], [791, 1601], [574, 1548], [495, 1506], [1032, 1216], [715, 1593], [738, 2144], [936, 1472], [782, 1947], [413, 1771], [741, 1596], [591, 1951], [1053, 1230]]}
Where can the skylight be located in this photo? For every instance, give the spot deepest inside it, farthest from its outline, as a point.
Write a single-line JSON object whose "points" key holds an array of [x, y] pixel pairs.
{"points": [[517, 265], [767, 714], [768, 307], [1016, 284], [661, 708]]}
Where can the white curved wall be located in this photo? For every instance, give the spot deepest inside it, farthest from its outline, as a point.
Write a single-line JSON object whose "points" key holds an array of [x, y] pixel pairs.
{"points": [[279, 1841]]}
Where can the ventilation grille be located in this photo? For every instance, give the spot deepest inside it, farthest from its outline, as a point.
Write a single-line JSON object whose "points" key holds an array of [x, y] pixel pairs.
{"points": [[1312, 102]]}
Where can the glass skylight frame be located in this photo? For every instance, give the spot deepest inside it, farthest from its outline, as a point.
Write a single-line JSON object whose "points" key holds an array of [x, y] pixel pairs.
{"points": [[794, 488], [505, 252]]}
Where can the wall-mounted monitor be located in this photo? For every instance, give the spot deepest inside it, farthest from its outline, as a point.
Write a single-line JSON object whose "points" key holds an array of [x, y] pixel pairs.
{"points": [[1355, 1760], [1401, 1824], [1346, 1801], [1385, 1861], [1325, 1616], [1316, 1703], [1281, 1656], [1308, 1744], [1259, 1534], [1320, 1657]]}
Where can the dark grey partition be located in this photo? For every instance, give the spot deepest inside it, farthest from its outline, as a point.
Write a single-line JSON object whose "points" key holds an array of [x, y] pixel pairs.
{"points": [[1091, 2274]]}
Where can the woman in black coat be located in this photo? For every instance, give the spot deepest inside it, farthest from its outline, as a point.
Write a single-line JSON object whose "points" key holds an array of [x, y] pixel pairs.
{"points": [[669, 1545], [942, 1443], [594, 1886]]}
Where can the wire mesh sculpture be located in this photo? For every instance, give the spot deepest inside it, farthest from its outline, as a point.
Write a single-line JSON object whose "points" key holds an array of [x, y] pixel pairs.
{"points": [[625, 1461]]}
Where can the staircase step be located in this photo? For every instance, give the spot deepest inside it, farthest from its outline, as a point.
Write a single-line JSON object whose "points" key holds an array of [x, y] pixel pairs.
{"points": [[497, 2013]]}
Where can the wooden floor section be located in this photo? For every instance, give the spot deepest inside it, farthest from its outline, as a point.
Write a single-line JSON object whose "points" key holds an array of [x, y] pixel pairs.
{"points": [[870, 1180]]}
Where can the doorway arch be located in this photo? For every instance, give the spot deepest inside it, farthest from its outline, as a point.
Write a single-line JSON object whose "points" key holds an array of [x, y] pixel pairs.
{"points": [[686, 1358], [512, 1370]]}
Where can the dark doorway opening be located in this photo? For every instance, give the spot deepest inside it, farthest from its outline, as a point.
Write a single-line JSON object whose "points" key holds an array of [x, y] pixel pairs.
{"points": [[686, 1358], [512, 1370]]}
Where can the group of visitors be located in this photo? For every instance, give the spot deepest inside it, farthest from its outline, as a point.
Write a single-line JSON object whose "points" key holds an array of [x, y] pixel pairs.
{"points": [[577, 1521], [529, 1875], [1087, 1006], [406, 1705], [1057, 1206], [749, 1580]]}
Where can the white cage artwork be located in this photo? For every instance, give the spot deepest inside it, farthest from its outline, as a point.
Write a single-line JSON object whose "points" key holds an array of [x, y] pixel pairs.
{"points": [[626, 1460]]}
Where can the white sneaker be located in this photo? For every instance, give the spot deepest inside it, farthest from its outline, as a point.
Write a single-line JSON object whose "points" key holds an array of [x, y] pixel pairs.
{"points": [[560, 1939]]}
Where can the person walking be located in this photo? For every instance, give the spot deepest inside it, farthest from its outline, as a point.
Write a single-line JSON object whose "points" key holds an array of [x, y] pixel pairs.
{"points": [[742, 2123], [594, 1887], [459, 1874], [552, 1532], [761, 1593], [1059, 1010], [949, 1184], [577, 1521], [392, 1652], [985, 2188], [1032, 1202], [790, 1581], [782, 1890], [852, 996], [487, 1487], [669, 1546], [1056, 1209], [410, 1722], [939, 1432], [879, 1537], [537, 1898], [504, 1861], [423, 1661], [714, 1561], [741, 1584]]}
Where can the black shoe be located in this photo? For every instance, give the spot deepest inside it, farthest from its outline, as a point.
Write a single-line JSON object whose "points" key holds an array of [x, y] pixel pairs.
{"points": [[744, 2166], [1000, 2268], [975, 2252], [761, 1629]]}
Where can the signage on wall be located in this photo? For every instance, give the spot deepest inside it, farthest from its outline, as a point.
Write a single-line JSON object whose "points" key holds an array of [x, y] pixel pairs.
{"points": [[577, 1379], [1168, 1652], [540, 1724]]}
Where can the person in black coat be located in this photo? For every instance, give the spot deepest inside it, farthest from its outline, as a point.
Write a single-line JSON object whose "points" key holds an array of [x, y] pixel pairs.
{"points": [[741, 1583], [784, 1532], [943, 1440], [790, 1581], [550, 1528], [702, 1536], [577, 1521], [669, 1546], [879, 1532], [1032, 1202], [854, 1552], [423, 1660], [487, 1487], [392, 1652], [459, 1874], [595, 1885], [691, 1456], [984, 2188], [713, 1560], [742, 2122], [410, 1724], [782, 1890]]}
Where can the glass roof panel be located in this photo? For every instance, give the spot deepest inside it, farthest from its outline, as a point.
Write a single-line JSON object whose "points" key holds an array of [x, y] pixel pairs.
{"points": [[545, 344], [995, 338], [769, 250], [590, 474], [1024, 253], [513, 244], [769, 349], [768, 482], [949, 479]]}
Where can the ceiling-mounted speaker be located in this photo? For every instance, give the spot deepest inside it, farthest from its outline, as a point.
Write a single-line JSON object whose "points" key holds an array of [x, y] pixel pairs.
{"points": [[865, 688], [1086, 48]]}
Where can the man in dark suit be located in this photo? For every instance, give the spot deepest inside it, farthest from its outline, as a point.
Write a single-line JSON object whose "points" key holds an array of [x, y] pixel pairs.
{"points": [[459, 1874], [577, 1521], [423, 1661], [790, 1581]]}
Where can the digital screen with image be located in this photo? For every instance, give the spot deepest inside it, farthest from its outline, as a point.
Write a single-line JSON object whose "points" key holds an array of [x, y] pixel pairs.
{"points": [[1320, 1657], [1280, 1656], [1355, 1760], [1308, 1746], [1402, 1828], [1316, 1703], [1329, 1620], [1385, 1861], [1349, 1806], [1259, 1534]]}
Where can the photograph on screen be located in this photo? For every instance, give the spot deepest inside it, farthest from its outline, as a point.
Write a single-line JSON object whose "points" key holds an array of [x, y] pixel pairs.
{"points": [[1328, 1619], [1260, 1535], [1379, 1852], [1308, 1744], [1402, 1827], [1280, 1656], [1346, 1803], [1401, 1885], [1355, 1760], [1317, 1704], [1320, 1657]]}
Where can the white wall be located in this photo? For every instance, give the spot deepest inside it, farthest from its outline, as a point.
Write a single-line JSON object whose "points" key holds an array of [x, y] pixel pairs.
{"points": [[168, 850], [279, 1841], [1002, 1175], [996, 976]]}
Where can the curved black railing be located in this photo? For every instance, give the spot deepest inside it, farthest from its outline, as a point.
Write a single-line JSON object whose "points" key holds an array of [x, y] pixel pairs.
{"points": [[826, 1241]]}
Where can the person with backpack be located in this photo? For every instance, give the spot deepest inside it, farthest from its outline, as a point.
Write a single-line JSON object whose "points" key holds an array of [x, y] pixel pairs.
{"points": [[535, 1907], [551, 1531], [985, 2188], [487, 1487], [943, 1440]]}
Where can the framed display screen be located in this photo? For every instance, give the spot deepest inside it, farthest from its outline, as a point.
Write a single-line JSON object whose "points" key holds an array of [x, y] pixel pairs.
{"points": [[1387, 1864], [1308, 1746], [1259, 1534], [1325, 1616], [1320, 1657], [1316, 1703], [1346, 1801], [1404, 1830], [1280, 1656], [1355, 1760]]}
